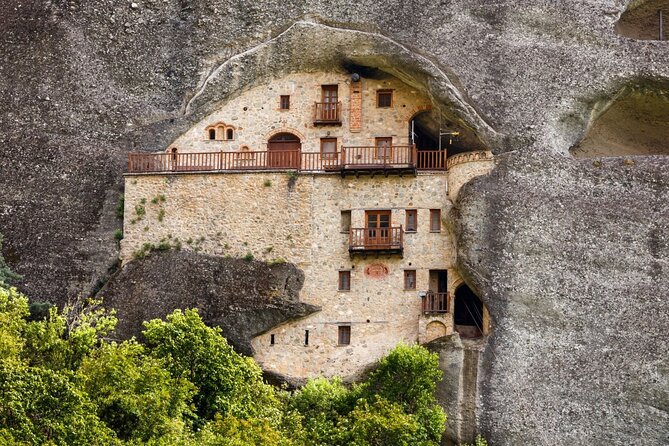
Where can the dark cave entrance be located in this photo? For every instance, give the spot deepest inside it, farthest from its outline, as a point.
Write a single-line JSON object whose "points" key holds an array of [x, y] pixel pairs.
{"points": [[468, 313]]}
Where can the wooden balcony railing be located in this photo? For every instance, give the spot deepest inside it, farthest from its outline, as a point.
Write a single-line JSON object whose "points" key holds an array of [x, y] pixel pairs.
{"points": [[400, 158], [376, 239], [379, 157], [327, 113], [436, 303]]}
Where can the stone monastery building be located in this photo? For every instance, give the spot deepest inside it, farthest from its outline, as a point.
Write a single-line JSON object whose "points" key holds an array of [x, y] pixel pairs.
{"points": [[346, 176]]}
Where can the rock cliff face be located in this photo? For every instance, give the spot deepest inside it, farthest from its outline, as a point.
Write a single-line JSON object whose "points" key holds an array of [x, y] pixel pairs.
{"points": [[244, 298], [570, 255]]}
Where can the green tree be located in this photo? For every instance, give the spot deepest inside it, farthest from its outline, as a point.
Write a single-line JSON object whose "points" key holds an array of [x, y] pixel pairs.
{"points": [[134, 394], [13, 311], [384, 423], [64, 339], [228, 383], [41, 406], [6, 274]]}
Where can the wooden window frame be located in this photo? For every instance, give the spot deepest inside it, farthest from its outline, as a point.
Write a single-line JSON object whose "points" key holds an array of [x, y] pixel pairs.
{"points": [[344, 335], [407, 274], [379, 212], [342, 229], [388, 149], [330, 87], [284, 99], [329, 155], [380, 93], [415, 220], [432, 213], [344, 285]]}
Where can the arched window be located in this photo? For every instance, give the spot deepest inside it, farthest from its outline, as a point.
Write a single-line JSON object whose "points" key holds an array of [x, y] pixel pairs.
{"points": [[212, 133], [230, 134]]}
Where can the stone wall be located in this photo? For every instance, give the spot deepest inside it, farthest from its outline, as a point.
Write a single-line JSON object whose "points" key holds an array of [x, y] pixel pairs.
{"points": [[256, 115], [276, 217]]}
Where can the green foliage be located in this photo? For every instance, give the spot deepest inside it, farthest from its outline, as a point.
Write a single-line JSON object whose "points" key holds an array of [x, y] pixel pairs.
{"points": [[6, 274], [479, 441], [161, 214], [42, 406], [13, 311], [63, 382], [134, 394], [267, 183], [120, 206], [118, 235], [248, 257], [228, 383]]}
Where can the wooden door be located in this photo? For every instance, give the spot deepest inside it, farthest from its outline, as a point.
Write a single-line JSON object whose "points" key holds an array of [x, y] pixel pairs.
{"points": [[377, 228], [283, 151], [383, 148]]}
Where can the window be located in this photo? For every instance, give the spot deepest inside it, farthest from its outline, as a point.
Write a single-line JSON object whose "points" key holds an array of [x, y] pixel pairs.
{"points": [[271, 339], [412, 220], [344, 280], [230, 134], [344, 337], [383, 147], [212, 133], [409, 279], [435, 220], [284, 102], [384, 98], [346, 221], [306, 337], [329, 148]]}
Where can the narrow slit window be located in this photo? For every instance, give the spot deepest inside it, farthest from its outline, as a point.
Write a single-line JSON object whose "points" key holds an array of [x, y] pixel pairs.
{"points": [[410, 279], [435, 220], [344, 280], [284, 103], [230, 134], [412, 220], [344, 335], [212, 134], [271, 339], [346, 221], [384, 98], [306, 337]]}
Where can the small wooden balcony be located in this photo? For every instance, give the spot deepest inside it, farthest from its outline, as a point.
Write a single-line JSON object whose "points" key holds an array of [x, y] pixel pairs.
{"points": [[376, 240], [436, 303], [327, 113]]}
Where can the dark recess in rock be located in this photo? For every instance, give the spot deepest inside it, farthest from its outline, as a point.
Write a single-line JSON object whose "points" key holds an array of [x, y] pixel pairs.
{"points": [[244, 298]]}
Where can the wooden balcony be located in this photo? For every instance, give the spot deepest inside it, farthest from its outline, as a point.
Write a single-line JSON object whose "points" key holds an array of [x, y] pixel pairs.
{"points": [[356, 160], [436, 303], [327, 113], [376, 240]]}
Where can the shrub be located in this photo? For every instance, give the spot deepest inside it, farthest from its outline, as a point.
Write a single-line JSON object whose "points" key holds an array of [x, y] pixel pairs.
{"points": [[118, 235], [248, 257]]}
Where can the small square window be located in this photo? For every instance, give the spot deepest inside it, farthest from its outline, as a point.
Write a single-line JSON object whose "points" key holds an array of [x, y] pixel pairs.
{"points": [[435, 220], [412, 220], [410, 279], [344, 280], [212, 134], [344, 337], [284, 103], [384, 98]]}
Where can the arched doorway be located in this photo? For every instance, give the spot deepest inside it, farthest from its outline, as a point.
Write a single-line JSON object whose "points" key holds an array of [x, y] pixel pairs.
{"points": [[283, 150], [468, 313]]}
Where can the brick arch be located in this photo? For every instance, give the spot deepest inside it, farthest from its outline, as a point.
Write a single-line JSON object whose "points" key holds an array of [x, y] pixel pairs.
{"points": [[295, 132], [435, 330]]}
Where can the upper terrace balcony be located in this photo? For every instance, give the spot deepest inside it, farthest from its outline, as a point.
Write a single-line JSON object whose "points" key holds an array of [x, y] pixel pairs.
{"points": [[387, 159]]}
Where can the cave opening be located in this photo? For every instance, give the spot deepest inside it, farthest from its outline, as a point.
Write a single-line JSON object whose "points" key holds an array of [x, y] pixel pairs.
{"points": [[468, 313], [634, 123], [429, 133], [644, 20]]}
